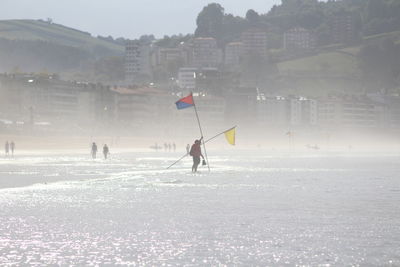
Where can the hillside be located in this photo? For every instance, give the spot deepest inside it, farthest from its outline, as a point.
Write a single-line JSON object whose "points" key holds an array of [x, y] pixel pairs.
{"points": [[34, 30], [334, 61], [333, 68], [39, 46]]}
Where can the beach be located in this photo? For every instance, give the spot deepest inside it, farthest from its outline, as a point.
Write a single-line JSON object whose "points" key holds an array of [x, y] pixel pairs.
{"points": [[254, 208]]}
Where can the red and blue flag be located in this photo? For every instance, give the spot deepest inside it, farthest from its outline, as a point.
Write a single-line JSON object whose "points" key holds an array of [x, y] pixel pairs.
{"points": [[185, 102]]}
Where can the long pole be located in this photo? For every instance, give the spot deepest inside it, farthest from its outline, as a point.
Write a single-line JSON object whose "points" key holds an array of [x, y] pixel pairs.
{"points": [[208, 140], [201, 132], [177, 161]]}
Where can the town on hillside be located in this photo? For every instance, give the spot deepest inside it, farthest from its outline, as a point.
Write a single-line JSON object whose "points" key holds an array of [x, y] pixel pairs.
{"points": [[327, 67]]}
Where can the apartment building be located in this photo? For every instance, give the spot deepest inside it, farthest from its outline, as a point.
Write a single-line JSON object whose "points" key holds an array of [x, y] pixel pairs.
{"points": [[299, 39], [233, 55], [254, 42], [206, 53], [137, 61]]}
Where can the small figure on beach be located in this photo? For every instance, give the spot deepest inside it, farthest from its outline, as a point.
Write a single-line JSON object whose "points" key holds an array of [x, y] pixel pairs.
{"points": [[195, 152], [106, 151], [7, 148], [188, 149], [174, 146], [12, 147], [94, 150], [165, 147]]}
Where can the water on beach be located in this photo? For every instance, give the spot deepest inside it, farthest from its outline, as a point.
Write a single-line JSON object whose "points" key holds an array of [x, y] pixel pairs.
{"points": [[251, 209]]}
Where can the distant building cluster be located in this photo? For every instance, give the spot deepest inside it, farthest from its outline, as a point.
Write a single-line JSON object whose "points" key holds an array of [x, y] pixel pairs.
{"points": [[144, 59], [34, 102]]}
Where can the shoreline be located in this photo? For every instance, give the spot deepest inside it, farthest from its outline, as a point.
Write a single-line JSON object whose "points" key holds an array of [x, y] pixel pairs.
{"points": [[32, 167]]}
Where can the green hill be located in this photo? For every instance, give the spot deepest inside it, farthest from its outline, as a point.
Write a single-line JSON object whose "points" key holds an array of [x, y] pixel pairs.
{"points": [[34, 30]]}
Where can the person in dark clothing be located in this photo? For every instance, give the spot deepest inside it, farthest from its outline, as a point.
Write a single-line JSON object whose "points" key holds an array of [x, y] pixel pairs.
{"points": [[94, 150], [195, 152], [105, 151]]}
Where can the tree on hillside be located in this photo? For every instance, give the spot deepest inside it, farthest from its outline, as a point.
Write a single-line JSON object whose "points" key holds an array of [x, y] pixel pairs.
{"points": [[210, 21], [252, 18]]}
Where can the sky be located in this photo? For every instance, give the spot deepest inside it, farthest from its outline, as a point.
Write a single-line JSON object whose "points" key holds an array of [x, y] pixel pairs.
{"points": [[125, 18]]}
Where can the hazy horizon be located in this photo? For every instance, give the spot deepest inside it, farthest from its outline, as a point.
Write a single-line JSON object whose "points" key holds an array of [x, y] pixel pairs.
{"points": [[124, 18]]}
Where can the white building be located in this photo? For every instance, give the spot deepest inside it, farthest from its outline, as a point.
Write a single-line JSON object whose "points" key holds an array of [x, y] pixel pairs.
{"points": [[283, 111], [192, 79], [350, 112], [187, 78], [271, 111]]}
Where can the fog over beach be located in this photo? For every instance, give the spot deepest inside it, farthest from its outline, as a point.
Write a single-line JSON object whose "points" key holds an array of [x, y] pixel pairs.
{"points": [[196, 133]]}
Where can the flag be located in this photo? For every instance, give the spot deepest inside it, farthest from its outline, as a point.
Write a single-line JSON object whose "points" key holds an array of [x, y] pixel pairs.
{"points": [[185, 102], [230, 136]]}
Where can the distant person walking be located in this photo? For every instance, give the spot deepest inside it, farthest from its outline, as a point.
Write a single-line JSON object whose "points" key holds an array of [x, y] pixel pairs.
{"points": [[94, 150], [195, 152], [106, 151], [7, 148], [12, 147], [174, 147], [188, 149]]}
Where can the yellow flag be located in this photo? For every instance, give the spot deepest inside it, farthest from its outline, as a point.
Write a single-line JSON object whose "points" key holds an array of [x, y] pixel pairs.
{"points": [[230, 136]]}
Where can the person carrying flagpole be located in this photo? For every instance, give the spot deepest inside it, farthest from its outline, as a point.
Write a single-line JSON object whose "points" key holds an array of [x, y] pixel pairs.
{"points": [[195, 152], [187, 102], [230, 136]]}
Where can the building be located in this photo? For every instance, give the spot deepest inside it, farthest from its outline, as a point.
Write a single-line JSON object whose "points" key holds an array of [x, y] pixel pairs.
{"points": [[350, 112], [254, 42], [278, 111], [343, 28], [309, 111], [142, 110], [199, 79], [164, 56], [45, 98], [187, 78], [206, 53], [137, 61], [299, 39], [233, 55], [271, 111]]}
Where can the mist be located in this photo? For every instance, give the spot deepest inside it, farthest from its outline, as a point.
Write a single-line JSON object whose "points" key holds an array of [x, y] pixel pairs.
{"points": [[189, 133]]}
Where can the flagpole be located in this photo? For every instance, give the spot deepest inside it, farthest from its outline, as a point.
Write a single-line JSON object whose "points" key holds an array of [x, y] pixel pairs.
{"points": [[208, 140], [177, 161], [202, 136]]}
